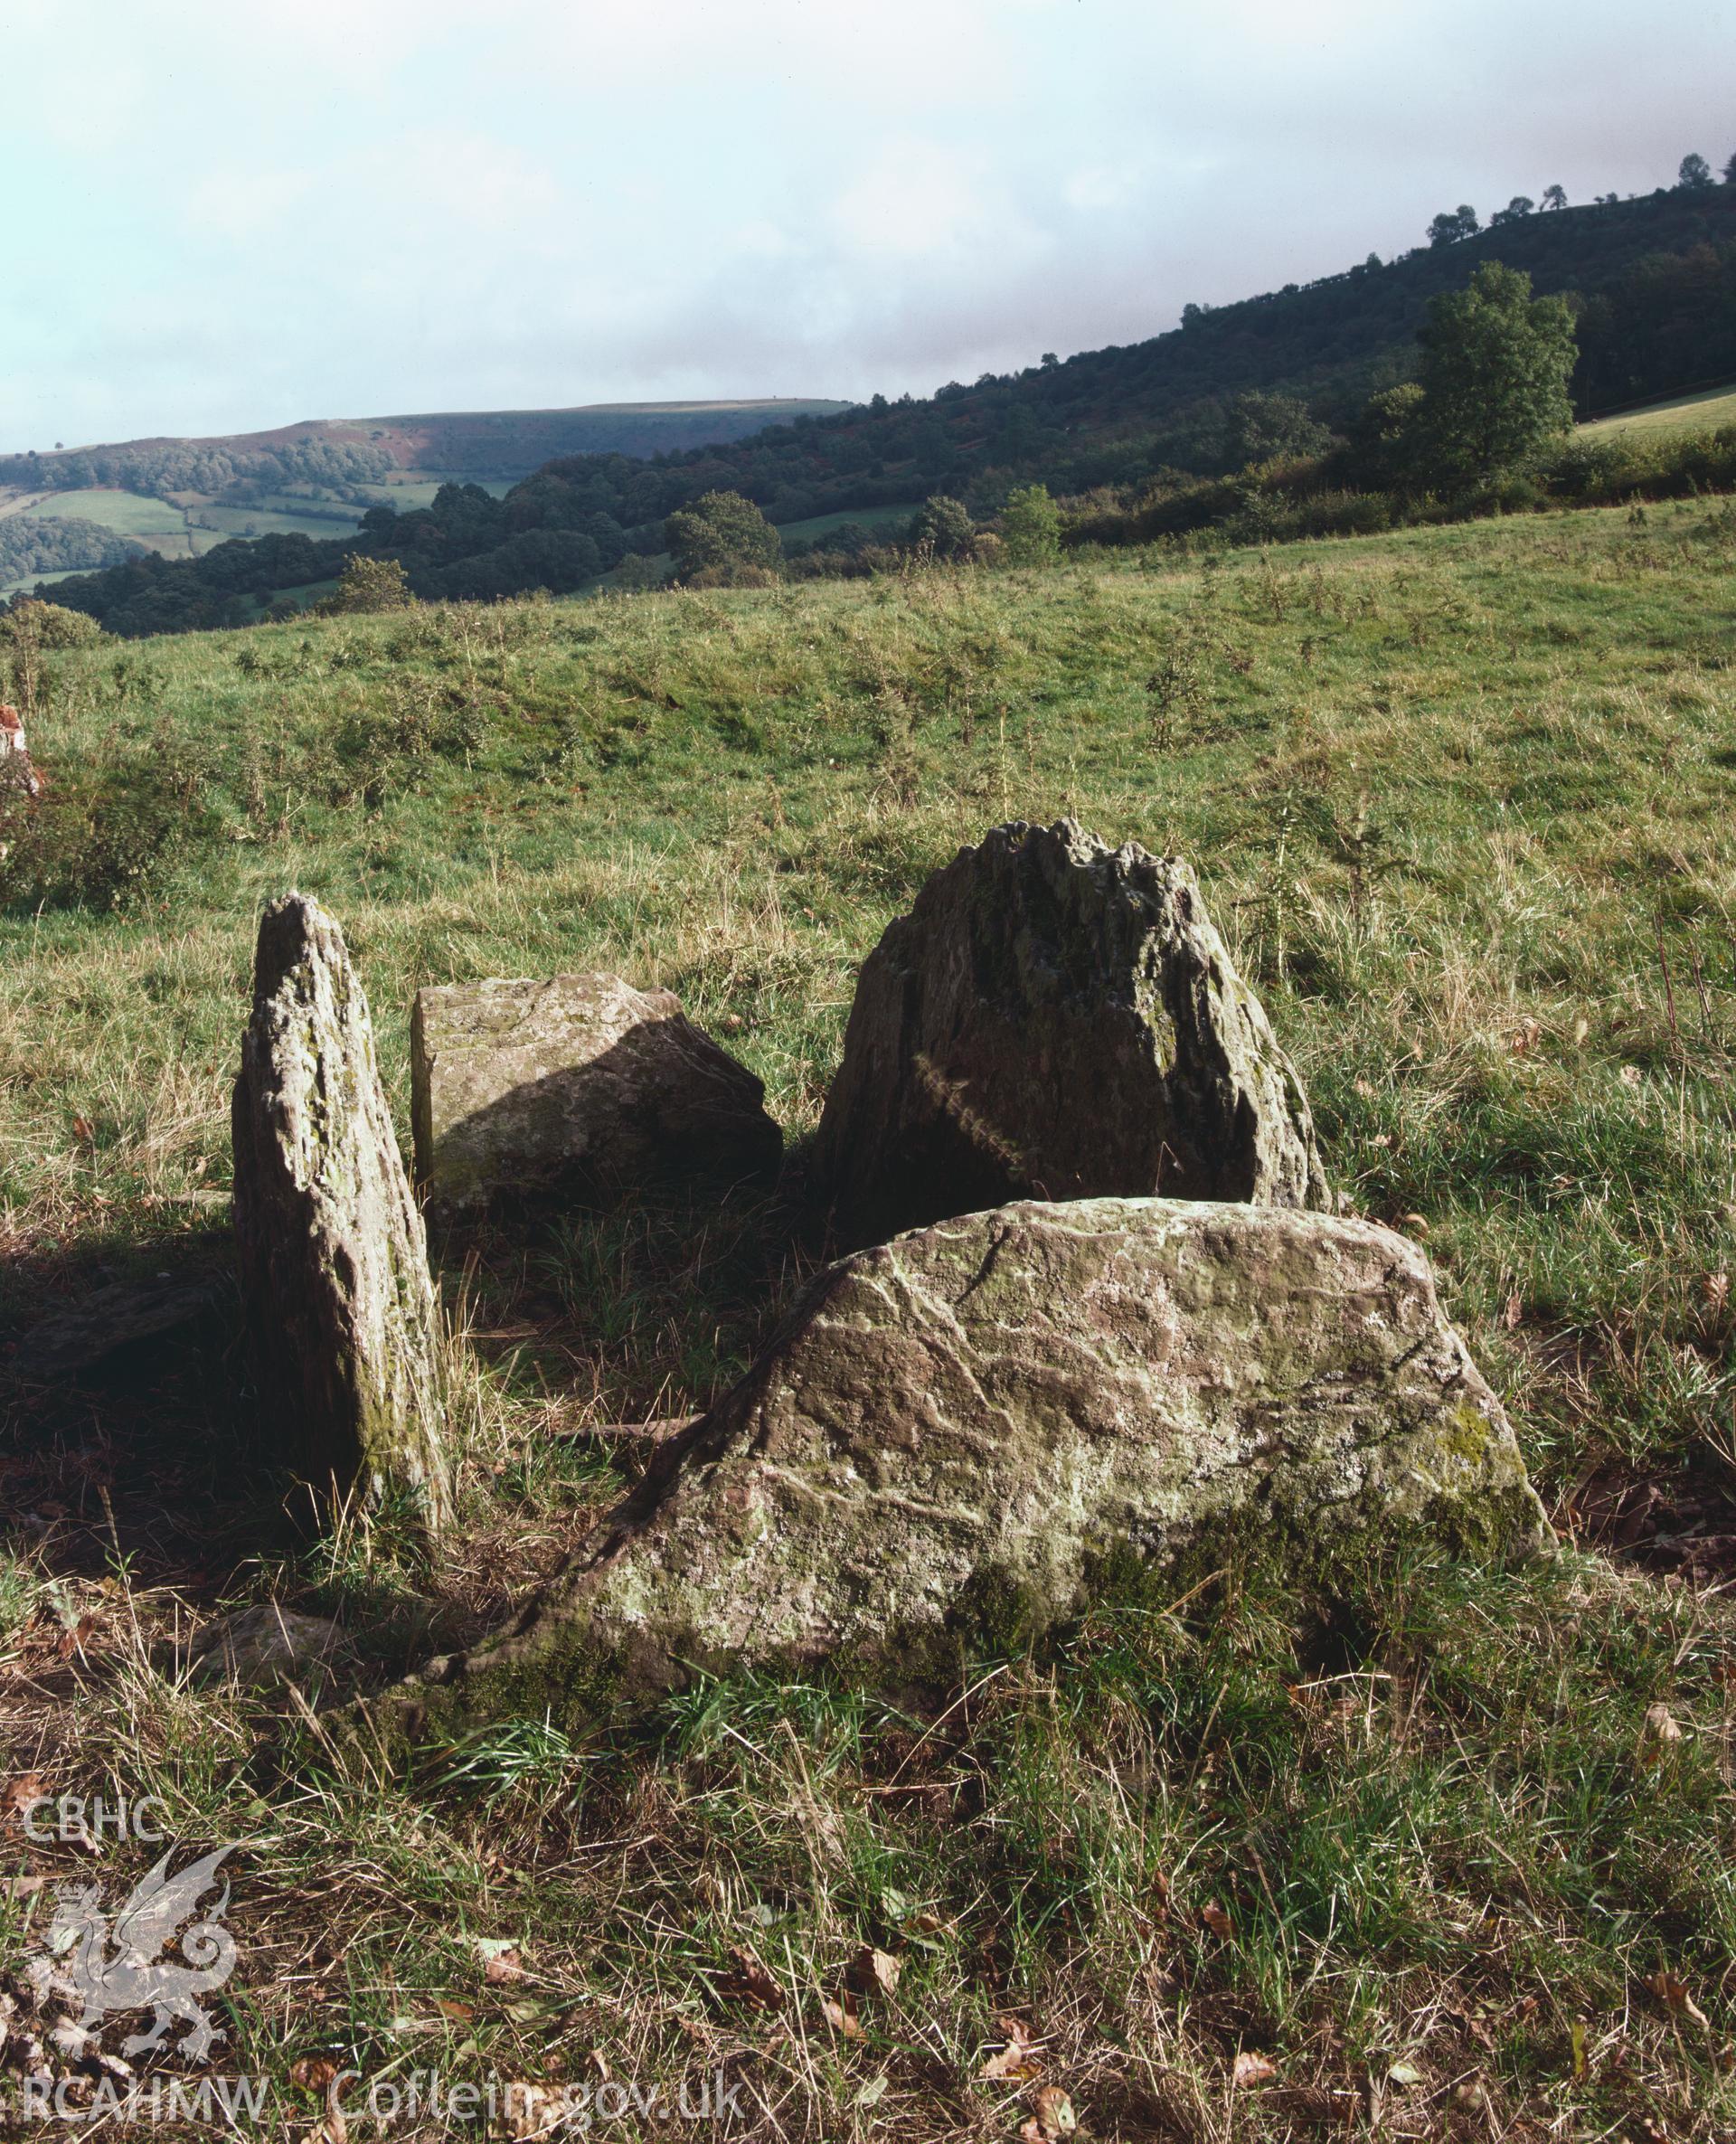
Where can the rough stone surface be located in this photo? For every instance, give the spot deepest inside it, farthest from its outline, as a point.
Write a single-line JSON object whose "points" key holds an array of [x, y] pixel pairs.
{"points": [[1055, 1019], [578, 1081], [268, 1646], [998, 1409], [68, 1342], [331, 1252]]}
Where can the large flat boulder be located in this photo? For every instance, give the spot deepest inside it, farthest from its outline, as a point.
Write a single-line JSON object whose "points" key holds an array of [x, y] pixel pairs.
{"points": [[960, 1433], [331, 1253], [577, 1082], [1057, 1019]]}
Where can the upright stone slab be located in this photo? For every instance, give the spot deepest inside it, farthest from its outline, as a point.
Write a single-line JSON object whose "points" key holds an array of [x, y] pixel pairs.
{"points": [[578, 1082], [331, 1251], [959, 1432], [1056, 1019]]}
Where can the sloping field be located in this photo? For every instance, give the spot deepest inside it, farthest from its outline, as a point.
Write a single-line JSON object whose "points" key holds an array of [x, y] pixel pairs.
{"points": [[1706, 410], [150, 520], [1427, 1849]]}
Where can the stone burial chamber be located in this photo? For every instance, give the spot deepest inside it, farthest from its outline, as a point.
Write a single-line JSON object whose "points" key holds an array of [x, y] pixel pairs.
{"points": [[1101, 1314], [574, 1085]]}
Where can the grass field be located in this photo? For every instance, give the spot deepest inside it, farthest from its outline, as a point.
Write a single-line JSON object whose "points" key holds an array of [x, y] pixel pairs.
{"points": [[1444, 1852], [412, 488], [31, 580], [880, 518], [1704, 411], [124, 511], [269, 520]]}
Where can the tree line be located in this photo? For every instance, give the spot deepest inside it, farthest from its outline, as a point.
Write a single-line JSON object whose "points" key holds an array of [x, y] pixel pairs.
{"points": [[156, 468], [1649, 285]]}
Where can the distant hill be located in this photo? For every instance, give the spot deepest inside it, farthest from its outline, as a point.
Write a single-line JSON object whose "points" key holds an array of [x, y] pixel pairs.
{"points": [[1654, 281], [80, 505]]}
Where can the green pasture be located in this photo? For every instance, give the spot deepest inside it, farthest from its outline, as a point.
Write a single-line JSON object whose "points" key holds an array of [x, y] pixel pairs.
{"points": [[1434, 1848]]}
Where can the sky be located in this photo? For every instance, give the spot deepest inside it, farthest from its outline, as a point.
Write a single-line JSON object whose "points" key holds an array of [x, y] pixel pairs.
{"points": [[222, 215]]}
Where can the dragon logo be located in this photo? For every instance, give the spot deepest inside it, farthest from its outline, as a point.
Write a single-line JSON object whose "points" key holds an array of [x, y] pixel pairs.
{"points": [[118, 1964]]}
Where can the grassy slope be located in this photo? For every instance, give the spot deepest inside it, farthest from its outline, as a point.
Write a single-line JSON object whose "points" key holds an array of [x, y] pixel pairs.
{"points": [[877, 518], [1704, 412], [1449, 791]]}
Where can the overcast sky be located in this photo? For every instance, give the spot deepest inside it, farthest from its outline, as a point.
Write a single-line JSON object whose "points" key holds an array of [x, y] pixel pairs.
{"points": [[226, 214]]}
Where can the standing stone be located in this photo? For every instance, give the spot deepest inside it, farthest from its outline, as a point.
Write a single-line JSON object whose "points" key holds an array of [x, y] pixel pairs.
{"points": [[331, 1251], [1056, 1019], [960, 1433], [579, 1082]]}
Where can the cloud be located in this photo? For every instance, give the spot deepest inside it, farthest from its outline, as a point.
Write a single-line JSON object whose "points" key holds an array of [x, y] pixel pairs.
{"points": [[226, 216]]}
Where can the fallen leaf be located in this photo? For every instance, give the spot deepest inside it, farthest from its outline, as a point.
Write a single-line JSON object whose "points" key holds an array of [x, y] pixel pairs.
{"points": [[749, 1978], [843, 2020], [1054, 2116], [460, 2013], [1581, 1028], [1251, 2069], [1661, 1726], [1216, 1919], [1525, 1037], [1404, 2074], [872, 1970], [1017, 2058], [333, 2128], [871, 2092], [84, 1131], [504, 1970], [313, 2073], [1672, 1991], [20, 1792], [1417, 1224], [537, 2110]]}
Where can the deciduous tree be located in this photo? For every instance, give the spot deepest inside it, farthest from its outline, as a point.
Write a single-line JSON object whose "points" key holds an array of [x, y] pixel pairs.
{"points": [[1031, 527], [723, 536], [1495, 364], [943, 527], [1452, 225]]}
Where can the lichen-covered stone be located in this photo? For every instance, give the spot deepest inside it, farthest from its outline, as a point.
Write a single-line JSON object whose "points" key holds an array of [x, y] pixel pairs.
{"points": [[331, 1252], [1057, 1019], [579, 1081], [269, 1645], [959, 1430]]}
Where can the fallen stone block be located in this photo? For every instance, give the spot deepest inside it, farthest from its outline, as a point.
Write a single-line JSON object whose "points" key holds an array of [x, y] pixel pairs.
{"points": [[576, 1084], [960, 1433]]}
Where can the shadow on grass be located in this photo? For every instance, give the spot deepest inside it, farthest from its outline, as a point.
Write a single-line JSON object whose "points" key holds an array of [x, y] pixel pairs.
{"points": [[127, 1418]]}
